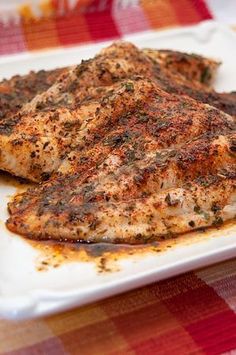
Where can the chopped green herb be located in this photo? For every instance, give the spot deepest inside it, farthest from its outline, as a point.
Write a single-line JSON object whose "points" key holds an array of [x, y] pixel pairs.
{"points": [[218, 221], [197, 209], [129, 87], [206, 76]]}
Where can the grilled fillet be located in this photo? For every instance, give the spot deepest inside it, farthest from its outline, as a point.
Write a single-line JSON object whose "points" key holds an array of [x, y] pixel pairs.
{"points": [[18, 90], [147, 165], [92, 78], [134, 221]]}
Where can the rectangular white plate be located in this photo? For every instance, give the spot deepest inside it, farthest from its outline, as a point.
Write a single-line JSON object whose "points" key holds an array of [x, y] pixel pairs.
{"points": [[26, 292]]}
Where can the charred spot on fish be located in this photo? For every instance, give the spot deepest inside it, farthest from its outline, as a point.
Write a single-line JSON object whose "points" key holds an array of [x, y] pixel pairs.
{"points": [[82, 67], [232, 146], [116, 141], [215, 207], [45, 145], [191, 224], [45, 176], [33, 154]]}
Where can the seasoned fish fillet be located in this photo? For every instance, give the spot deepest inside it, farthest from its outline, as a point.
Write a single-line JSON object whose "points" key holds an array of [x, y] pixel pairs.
{"points": [[146, 166], [18, 90], [93, 77]]}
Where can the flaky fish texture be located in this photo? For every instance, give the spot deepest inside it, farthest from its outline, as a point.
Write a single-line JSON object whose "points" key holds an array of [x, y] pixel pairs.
{"points": [[143, 165]]}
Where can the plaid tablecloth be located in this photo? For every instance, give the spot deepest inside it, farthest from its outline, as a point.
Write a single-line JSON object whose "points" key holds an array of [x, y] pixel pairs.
{"points": [[193, 313], [29, 25]]}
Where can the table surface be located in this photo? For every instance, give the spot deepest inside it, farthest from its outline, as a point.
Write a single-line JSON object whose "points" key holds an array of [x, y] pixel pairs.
{"points": [[191, 313]]}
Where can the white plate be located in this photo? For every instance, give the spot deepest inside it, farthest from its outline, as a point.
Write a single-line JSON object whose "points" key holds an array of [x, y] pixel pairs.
{"points": [[26, 292]]}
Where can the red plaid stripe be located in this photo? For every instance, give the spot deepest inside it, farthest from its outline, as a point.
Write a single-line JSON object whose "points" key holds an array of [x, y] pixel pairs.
{"points": [[98, 20]]}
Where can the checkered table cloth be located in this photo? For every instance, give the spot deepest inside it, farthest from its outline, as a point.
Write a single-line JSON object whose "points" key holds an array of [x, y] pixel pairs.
{"points": [[53, 23], [193, 313]]}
